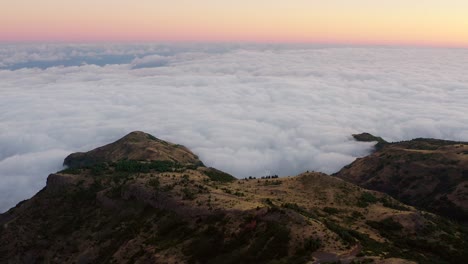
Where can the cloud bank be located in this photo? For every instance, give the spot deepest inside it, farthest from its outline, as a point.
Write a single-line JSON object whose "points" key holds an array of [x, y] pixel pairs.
{"points": [[248, 110]]}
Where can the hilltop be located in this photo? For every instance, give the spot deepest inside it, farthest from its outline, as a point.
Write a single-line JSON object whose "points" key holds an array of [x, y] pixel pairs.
{"points": [[138, 146], [431, 174], [144, 200]]}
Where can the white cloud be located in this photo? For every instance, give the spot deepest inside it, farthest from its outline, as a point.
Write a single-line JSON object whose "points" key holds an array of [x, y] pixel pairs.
{"points": [[248, 110], [149, 61], [23, 175]]}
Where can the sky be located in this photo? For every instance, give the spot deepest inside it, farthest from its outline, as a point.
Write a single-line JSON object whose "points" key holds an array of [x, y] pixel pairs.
{"points": [[366, 22], [245, 109]]}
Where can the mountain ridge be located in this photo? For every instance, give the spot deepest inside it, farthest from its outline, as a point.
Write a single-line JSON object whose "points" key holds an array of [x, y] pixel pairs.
{"points": [[113, 205], [428, 173]]}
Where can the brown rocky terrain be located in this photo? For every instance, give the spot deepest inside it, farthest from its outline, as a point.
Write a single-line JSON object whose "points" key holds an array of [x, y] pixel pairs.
{"points": [[428, 173], [143, 200]]}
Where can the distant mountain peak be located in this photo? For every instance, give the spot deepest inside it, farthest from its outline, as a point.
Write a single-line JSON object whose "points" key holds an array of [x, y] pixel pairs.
{"points": [[136, 145], [368, 137]]}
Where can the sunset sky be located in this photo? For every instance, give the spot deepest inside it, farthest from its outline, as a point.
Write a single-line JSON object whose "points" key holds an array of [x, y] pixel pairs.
{"points": [[396, 22]]}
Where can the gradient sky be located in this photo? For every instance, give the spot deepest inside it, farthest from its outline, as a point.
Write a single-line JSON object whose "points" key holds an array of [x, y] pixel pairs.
{"points": [[407, 22]]}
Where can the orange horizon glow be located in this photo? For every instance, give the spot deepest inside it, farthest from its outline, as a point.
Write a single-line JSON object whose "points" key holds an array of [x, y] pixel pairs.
{"points": [[361, 22]]}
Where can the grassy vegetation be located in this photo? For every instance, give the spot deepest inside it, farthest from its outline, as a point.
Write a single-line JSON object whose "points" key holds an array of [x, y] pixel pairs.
{"points": [[331, 210], [366, 198], [369, 246], [300, 210], [215, 232], [266, 243], [387, 202], [128, 166], [226, 190], [171, 230], [145, 167], [345, 234], [73, 171], [154, 183], [219, 176], [188, 194], [437, 250], [311, 244], [385, 227], [151, 137], [273, 182], [429, 143]]}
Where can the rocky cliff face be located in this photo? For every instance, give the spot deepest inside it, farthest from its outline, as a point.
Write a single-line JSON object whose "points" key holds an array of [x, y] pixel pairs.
{"points": [[143, 200], [428, 173]]}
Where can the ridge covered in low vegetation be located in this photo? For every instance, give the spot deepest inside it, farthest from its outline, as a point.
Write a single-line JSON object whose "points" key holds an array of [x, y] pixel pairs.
{"points": [[144, 200], [430, 174]]}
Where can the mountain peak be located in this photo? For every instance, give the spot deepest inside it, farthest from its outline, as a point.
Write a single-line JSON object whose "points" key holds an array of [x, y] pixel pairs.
{"points": [[136, 145], [367, 137]]}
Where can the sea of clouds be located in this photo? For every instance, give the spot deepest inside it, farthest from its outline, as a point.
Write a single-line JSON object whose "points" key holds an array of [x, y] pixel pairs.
{"points": [[245, 109]]}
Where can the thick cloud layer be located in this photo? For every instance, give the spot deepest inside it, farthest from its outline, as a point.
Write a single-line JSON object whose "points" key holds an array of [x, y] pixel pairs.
{"points": [[248, 110]]}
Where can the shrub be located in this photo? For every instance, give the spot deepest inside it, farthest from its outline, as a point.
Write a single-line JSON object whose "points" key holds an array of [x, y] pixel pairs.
{"points": [[154, 183], [226, 190], [343, 233], [131, 166], [188, 194], [394, 205], [331, 210], [99, 168], [312, 244], [271, 243], [145, 167], [70, 171], [298, 209], [366, 199], [386, 227], [217, 175], [151, 137]]}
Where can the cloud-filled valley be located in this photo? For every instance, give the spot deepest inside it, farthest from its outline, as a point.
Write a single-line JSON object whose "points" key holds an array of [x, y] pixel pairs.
{"points": [[247, 110]]}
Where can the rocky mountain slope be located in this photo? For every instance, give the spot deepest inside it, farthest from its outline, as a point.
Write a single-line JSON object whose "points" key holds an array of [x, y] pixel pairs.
{"points": [[143, 200], [428, 173]]}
